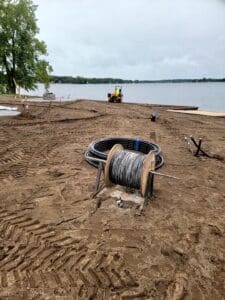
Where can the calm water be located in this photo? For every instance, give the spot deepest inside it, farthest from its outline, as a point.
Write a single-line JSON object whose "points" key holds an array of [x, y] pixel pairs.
{"points": [[207, 96], [4, 113]]}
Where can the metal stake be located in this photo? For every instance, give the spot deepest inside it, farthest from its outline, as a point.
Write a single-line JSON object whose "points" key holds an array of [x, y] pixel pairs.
{"points": [[96, 191]]}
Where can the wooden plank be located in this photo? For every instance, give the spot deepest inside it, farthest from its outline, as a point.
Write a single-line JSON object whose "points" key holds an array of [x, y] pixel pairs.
{"points": [[199, 112]]}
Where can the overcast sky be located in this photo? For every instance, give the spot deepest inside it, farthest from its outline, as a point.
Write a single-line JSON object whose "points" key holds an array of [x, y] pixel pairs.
{"points": [[134, 39]]}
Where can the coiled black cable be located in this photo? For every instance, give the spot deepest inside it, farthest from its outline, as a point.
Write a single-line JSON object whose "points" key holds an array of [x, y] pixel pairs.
{"points": [[98, 149], [125, 169]]}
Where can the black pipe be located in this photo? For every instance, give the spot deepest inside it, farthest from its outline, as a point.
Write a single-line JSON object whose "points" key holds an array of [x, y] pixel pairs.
{"points": [[99, 149]]}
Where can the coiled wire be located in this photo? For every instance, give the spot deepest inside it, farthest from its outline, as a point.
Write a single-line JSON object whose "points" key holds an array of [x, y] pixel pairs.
{"points": [[126, 168]]}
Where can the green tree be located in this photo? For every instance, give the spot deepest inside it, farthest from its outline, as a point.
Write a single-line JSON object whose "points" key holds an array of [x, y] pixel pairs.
{"points": [[21, 52]]}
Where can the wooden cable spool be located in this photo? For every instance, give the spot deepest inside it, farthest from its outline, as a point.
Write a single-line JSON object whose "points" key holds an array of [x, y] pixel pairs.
{"points": [[147, 166]]}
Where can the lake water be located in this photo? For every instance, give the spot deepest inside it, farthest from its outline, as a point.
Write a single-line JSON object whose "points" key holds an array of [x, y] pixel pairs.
{"points": [[4, 113], [207, 96]]}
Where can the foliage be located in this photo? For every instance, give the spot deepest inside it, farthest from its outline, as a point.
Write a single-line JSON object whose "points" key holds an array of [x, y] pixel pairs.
{"points": [[21, 53], [85, 80]]}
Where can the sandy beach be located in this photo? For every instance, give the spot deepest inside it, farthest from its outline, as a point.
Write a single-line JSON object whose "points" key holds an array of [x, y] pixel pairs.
{"points": [[58, 243]]}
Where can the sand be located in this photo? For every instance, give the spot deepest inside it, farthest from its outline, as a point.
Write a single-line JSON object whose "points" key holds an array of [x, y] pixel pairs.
{"points": [[58, 243]]}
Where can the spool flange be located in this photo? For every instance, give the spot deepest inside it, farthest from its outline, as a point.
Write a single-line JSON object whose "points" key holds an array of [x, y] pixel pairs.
{"points": [[148, 166], [115, 149]]}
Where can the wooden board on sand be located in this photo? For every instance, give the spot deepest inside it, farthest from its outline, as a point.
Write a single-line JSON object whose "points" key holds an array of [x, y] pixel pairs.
{"points": [[199, 112]]}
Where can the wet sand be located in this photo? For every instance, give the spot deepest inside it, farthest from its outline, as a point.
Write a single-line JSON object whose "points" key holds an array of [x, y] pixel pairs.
{"points": [[58, 243]]}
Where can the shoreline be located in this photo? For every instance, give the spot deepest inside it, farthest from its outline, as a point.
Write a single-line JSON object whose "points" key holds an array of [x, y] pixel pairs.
{"points": [[19, 100], [11, 100], [209, 96]]}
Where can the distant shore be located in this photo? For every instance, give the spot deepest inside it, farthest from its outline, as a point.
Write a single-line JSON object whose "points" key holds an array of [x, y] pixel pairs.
{"points": [[86, 80]]}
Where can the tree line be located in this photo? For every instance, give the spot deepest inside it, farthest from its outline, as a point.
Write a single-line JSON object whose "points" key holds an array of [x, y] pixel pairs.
{"points": [[87, 80]]}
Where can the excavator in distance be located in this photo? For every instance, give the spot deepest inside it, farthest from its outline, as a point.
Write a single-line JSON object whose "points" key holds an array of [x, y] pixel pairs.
{"points": [[117, 96]]}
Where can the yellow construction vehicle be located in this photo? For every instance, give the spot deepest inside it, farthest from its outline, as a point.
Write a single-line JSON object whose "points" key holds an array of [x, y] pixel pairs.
{"points": [[117, 96]]}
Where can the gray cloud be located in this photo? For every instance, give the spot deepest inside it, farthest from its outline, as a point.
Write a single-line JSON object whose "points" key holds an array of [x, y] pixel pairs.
{"points": [[144, 39]]}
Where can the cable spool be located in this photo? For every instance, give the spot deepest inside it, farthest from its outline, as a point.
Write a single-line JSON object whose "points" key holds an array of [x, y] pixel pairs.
{"points": [[129, 169]]}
